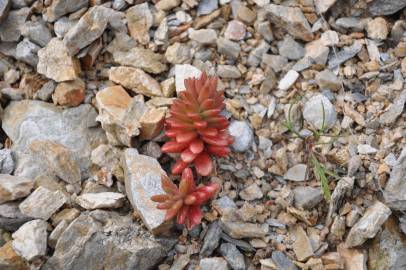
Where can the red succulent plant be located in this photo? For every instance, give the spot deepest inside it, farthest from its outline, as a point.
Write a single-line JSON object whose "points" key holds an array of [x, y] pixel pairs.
{"points": [[184, 202], [195, 126]]}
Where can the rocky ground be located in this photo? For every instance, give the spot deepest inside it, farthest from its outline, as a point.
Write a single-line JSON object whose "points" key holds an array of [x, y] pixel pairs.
{"points": [[315, 96]]}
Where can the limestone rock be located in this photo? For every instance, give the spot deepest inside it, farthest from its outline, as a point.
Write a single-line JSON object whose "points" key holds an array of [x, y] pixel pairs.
{"points": [[57, 232], [252, 192], [307, 197], [288, 80], [10, 26], [319, 112], [327, 79], [37, 32], [228, 72], [152, 123], [58, 8], [70, 93], [395, 190], [30, 240], [377, 29], [354, 259], [240, 230], [301, 245], [14, 187], [217, 263], [4, 9], [323, 5], [178, 53], [235, 30], [10, 260], [204, 36], [243, 135], [183, 72], [228, 48], [26, 51], [6, 161], [91, 201], [233, 256], [55, 62], [11, 217], [136, 80], [296, 173], [144, 59], [386, 7], [140, 20], [143, 180]]}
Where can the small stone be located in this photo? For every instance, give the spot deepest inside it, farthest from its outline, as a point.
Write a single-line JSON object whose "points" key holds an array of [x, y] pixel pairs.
{"points": [[252, 192], [206, 7], [63, 25], [368, 225], [394, 110], [6, 161], [37, 32], [57, 232], [245, 14], [167, 5], [264, 29], [211, 239], [366, 149], [329, 38], [70, 93], [180, 262], [319, 112], [14, 187], [235, 30], [144, 59], [228, 48], [307, 197], [291, 19], [46, 91], [296, 173], [228, 72], [140, 20], [386, 7], [288, 80], [328, 80], [178, 53], [42, 203], [354, 259], [204, 36], [233, 256], [183, 72], [243, 135], [353, 23], [11, 217], [345, 54], [256, 55], [4, 9], [55, 63], [276, 62], [323, 5], [136, 80], [91, 201], [283, 262], [168, 87], [377, 28], [241, 230], [10, 26], [152, 123], [58, 8], [143, 180], [317, 51], [291, 49], [301, 245], [30, 241], [26, 52], [217, 263], [9, 259]]}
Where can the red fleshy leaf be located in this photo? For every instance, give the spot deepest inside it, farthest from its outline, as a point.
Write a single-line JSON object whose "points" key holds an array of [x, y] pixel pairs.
{"points": [[173, 147], [179, 167], [203, 164], [196, 146], [194, 217], [188, 156]]}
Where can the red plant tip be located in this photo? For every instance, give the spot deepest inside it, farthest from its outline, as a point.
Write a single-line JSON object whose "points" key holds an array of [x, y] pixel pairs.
{"points": [[195, 126], [184, 201]]}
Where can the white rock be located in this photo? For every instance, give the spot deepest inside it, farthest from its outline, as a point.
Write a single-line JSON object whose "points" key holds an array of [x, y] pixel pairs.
{"points": [[30, 240], [92, 201], [183, 72], [243, 135], [14, 187], [329, 38], [319, 112], [365, 149], [217, 263], [296, 173], [204, 36], [288, 80]]}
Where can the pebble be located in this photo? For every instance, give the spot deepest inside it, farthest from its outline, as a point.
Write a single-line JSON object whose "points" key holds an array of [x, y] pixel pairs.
{"points": [[204, 36], [70, 93], [291, 49], [283, 262], [183, 72], [178, 53], [206, 7], [241, 230], [323, 5], [6, 161], [377, 28], [140, 20], [252, 192], [11, 217], [319, 112], [395, 190], [245, 14], [233, 256], [59, 8], [211, 239], [167, 5], [10, 26], [228, 72], [353, 23], [235, 30], [307, 197], [366, 149], [386, 7], [296, 173], [229, 48], [57, 232], [213, 263], [30, 240], [14, 187], [91, 201], [328, 80], [329, 38], [343, 55], [394, 110], [26, 51], [141, 58], [288, 80], [37, 32], [301, 246], [243, 135]]}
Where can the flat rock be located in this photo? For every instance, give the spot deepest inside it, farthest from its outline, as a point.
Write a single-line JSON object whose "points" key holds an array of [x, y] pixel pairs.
{"points": [[6, 161], [14, 187], [307, 197], [206, 7], [233, 256], [178, 53], [345, 54], [4, 9], [204, 36], [296, 173], [235, 30], [368, 225], [11, 217], [292, 20], [301, 243], [228, 72], [323, 5], [42, 203], [252, 192], [9, 259], [143, 180], [152, 123], [91, 201], [140, 20], [30, 240], [55, 62], [10, 26], [395, 190], [319, 112], [70, 93], [291, 49], [385, 7], [37, 32], [183, 72], [229, 48], [144, 59], [74, 128], [288, 80], [241, 230], [136, 80], [328, 80], [354, 259], [243, 135], [109, 241], [211, 239], [213, 263], [394, 110], [26, 51], [58, 8]]}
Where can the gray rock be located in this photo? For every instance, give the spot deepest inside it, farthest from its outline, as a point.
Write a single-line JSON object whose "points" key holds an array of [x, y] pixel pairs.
{"points": [[229, 48], [345, 54], [14, 187], [233, 256], [296, 173], [307, 197], [395, 190], [37, 32], [91, 201], [11, 217], [57, 232], [63, 25], [368, 226], [74, 128], [206, 7], [323, 5], [319, 112], [143, 180], [58, 8], [46, 91], [276, 62], [328, 80], [178, 53], [353, 23], [42, 203], [6, 161], [10, 27], [30, 240], [140, 20], [4, 9], [204, 36], [394, 110], [211, 239], [144, 59], [255, 56], [288, 80], [119, 4], [228, 72], [264, 29], [386, 7], [217, 263], [240, 230], [343, 187], [106, 240], [243, 135], [291, 49], [252, 192], [26, 52], [282, 261]]}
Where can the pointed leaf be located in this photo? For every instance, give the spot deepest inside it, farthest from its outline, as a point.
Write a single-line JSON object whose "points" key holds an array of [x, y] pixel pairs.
{"points": [[187, 156], [173, 210], [160, 198], [203, 164], [168, 186], [179, 166], [196, 146], [194, 217]]}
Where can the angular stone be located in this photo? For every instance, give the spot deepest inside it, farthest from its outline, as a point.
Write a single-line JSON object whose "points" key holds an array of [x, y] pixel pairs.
{"points": [[211, 239], [11, 217], [368, 225], [301, 245], [63, 25], [256, 55], [217, 263], [183, 72], [386, 7], [136, 80], [228, 48], [352, 23], [282, 261], [317, 51], [307, 197], [42, 203], [56, 233], [144, 59], [288, 80], [6, 161], [58, 8], [329, 38], [319, 112], [245, 14], [327, 79], [235, 30], [296, 173], [152, 123], [206, 7], [74, 128], [91, 201], [394, 110], [233, 256], [228, 72], [30, 240], [252, 192], [67, 215], [10, 260], [276, 62], [37, 32], [323, 5], [102, 239], [55, 62], [167, 5], [345, 54], [26, 52], [292, 20], [366, 149], [4, 9], [241, 230], [291, 49], [140, 20], [354, 259], [10, 26], [178, 53], [70, 93], [204, 36], [377, 29], [143, 180], [395, 190], [14, 187]]}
